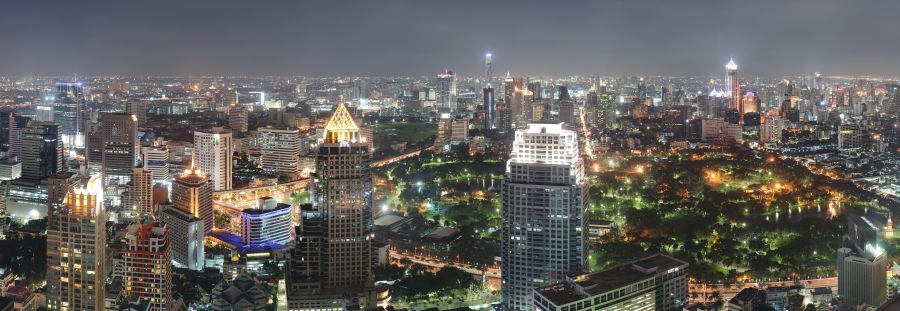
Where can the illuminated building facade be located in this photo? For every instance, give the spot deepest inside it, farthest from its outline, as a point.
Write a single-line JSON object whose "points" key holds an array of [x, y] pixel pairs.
{"points": [[186, 236], [213, 154], [76, 250], [543, 221], [269, 222], [147, 265], [342, 197], [733, 82], [192, 192]]}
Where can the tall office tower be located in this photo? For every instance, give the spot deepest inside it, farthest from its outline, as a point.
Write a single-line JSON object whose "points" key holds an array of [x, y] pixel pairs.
{"points": [[443, 131], [69, 106], [58, 186], [862, 264], [76, 250], [543, 219], [593, 110], [280, 151], [504, 118], [535, 89], [488, 69], [520, 105], [459, 130], [658, 282], [138, 108], [192, 192], [156, 161], [489, 108], [119, 146], [43, 114], [186, 236], [510, 85], [567, 112], [16, 126], [42, 151], [342, 194], [138, 201], [147, 265], [238, 119], [360, 88], [6, 119], [447, 90], [213, 155], [734, 88], [642, 89]]}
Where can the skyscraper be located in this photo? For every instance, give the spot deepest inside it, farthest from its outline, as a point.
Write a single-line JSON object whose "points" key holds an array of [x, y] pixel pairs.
{"points": [[213, 155], [119, 146], [862, 264], [489, 108], [734, 89], [543, 221], [138, 201], [447, 90], [42, 151], [69, 108], [186, 236], [488, 69], [280, 151], [138, 108], [192, 192], [238, 119], [76, 250], [147, 265], [156, 160], [342, 194]]}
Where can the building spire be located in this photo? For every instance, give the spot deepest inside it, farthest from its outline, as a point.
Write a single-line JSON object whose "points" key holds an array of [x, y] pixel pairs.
{"points": [[341, 126]]}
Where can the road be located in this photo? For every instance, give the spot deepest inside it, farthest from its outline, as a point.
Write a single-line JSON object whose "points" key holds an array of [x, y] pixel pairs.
{"points": [[489, 273], [702, 292], [390, 160]]}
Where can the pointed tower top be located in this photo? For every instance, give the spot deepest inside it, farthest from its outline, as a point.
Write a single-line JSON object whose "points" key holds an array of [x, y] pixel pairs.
{"points": [[341, 126], [731, 65]]}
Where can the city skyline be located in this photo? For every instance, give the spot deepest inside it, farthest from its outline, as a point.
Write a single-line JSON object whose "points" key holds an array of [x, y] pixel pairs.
{"points": [[387, 38]]}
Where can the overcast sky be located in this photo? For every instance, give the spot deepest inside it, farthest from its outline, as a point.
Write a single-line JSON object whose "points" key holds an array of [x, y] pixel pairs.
{"points": [[382, 38]]}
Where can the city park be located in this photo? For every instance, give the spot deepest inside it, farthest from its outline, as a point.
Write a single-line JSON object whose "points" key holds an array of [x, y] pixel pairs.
{"points": [[736, 215]]}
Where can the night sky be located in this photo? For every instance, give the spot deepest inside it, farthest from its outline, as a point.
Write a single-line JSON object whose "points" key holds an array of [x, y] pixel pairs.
{"points": [[390, 38]]}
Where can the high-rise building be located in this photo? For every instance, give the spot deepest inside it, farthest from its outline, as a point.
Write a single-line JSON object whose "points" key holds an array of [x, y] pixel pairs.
{"points": [[567, 112], [489, 108], [734, 88], [119, 146], [238, 119], [18, 124], [76, 250], [69, 106], [269, 223], [192, 192], [862, 264], [185, 234], [42, 151], [58, 186], [280, 151], [156, 161], [488, 69], [543, 217], [43, 114], [137, 108], [443, 131], [342, 193], [658, 282], [147, 265], [446, 90], [138, 200], [213, 155], [459, 130]]}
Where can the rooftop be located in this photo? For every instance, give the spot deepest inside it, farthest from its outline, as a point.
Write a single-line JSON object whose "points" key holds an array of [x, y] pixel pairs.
{"points": [[611, 278]]}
